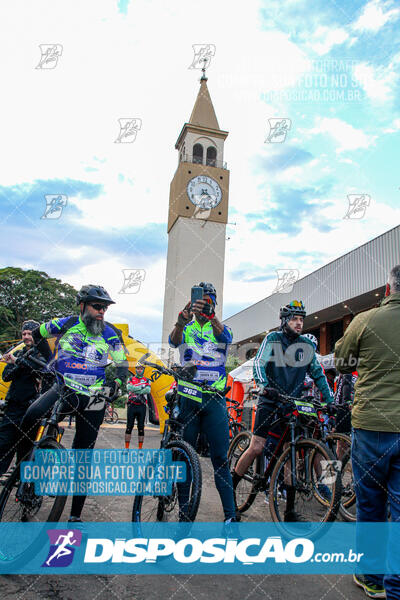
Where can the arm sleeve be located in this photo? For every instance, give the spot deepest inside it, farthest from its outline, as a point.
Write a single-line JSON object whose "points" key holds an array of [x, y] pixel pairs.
{"points": [[9, 372], [225, 337], [49, 329], [118, 355], [317, 374], [348, 346], [260, 362]]}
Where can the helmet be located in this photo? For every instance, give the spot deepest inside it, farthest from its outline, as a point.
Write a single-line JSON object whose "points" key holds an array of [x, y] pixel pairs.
{"points": [[312, 339], [209, 290], [93, 293], [294, 308], [29, 325]]}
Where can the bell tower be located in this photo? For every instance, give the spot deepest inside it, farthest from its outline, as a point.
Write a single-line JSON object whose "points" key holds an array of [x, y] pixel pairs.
{"points": [[198, 210]]}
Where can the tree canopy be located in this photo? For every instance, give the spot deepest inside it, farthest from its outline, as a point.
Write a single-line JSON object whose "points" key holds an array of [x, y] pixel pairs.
{"points": [[30, 294]]}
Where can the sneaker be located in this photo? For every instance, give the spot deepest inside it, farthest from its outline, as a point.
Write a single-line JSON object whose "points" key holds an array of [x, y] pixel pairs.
{"points": [[373, 590], [74, 520]]}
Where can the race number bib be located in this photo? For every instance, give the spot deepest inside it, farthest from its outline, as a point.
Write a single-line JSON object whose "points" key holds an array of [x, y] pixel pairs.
{"points": [[305, 408], [190, 390]]}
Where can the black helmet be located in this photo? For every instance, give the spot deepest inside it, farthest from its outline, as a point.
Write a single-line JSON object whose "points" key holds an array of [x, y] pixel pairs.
{"points": [[93, 293], [294, 308], [209, 289], [29, 325]]}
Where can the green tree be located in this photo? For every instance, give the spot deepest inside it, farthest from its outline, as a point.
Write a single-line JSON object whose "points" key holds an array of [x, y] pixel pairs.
{"points": [[232, 362], [30, 294]]}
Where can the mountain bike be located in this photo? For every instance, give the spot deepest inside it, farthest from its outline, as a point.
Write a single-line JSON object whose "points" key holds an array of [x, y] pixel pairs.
{"points": [[340, 446], [297, 466], [167, 507], [18, 500], [111, 415], [235, 426]]}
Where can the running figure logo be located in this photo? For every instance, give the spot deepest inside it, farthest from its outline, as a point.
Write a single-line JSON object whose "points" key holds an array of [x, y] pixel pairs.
{"points": [[55, 204], [50, 53], [133, 279], [128, 129], [358, 204], [278, 129], [202, 56], [63, 543], [286, 280]]}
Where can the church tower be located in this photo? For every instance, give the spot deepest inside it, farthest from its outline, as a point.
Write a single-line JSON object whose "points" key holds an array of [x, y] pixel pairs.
{"points": [[198, 210]]}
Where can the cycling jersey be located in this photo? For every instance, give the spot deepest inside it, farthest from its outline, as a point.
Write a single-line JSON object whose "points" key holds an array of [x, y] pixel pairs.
{"points": [[138, 387], [283, 364], [81, 356], [208, 352]]}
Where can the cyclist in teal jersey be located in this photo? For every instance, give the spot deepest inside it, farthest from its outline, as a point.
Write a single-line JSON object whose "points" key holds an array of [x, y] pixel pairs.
{"points": [[81, 352], [203, 342]]}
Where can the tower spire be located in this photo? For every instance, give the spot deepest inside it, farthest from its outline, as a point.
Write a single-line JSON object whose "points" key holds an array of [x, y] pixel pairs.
{"points": [[203, 77]]}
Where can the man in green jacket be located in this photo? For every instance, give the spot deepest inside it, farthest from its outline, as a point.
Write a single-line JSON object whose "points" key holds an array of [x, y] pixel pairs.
{"points": [[371, 345]]}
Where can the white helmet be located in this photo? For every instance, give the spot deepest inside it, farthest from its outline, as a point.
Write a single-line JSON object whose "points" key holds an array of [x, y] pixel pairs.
{"points": [[312, 339]]}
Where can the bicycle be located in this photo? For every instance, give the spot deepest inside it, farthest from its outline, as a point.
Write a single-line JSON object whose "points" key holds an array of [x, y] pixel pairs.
{"points": [[340, 446], [296, 467], [167, 508], [235, 426], [18, 500], [111, 415]]}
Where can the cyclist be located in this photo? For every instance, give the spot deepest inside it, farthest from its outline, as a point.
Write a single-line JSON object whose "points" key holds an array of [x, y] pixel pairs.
{"points": [[81, 351], [204, 341], [25, 381], [282, 362], [138, 388]]}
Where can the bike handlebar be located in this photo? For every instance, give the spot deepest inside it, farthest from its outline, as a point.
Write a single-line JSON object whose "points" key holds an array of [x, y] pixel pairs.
{"points": [[176, 376]]}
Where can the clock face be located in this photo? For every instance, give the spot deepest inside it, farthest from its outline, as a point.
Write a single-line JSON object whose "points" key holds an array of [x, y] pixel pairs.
{"points": [[204, 192]]}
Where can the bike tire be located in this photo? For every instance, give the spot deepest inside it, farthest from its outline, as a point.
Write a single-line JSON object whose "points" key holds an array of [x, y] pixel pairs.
{"points": [[166, 508], [309, 453], [13, 510], [245, 492], [114, 417], [347, 507]]}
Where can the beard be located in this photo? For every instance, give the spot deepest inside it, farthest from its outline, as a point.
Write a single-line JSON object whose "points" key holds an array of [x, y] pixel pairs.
{"points": [[93, 325]]}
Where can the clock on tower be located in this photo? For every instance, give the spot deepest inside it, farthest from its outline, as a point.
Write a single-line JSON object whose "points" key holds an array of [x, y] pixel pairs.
{"points": [[198, 210]]}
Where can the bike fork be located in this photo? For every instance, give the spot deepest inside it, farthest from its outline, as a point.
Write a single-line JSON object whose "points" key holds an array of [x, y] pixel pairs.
{"points": [[293, 455]]}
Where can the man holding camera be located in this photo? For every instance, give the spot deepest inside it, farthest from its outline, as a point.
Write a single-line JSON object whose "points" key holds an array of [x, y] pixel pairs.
{"points": [[203, 342]]}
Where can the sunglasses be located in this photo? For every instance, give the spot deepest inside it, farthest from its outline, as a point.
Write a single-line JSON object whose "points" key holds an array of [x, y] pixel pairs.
{"points": [[297, 304], [99, 307]]}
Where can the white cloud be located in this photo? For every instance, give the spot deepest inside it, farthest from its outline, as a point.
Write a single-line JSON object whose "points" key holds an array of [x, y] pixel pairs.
{"points": [[377, 82], [325, 38], [375, 15], [348, 137]]}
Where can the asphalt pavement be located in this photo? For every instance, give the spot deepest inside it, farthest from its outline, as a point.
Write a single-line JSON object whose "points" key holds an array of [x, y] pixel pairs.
{"points": [[170, 587]]}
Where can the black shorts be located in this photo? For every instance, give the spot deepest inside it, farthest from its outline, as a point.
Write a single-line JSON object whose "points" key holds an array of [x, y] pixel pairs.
{"points": [[343, 419], [135, 411], [266, 414]]}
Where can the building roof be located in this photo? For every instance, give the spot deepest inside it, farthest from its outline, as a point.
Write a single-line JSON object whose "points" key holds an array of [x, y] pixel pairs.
{"points": [[203, 113], [346, 285]]}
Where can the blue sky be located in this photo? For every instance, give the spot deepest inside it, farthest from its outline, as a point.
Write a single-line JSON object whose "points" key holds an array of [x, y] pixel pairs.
{"points": [[332, 71]]}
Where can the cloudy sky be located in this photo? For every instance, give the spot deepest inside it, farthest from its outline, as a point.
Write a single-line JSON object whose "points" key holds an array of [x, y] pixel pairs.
{"points": [[330, 68]]}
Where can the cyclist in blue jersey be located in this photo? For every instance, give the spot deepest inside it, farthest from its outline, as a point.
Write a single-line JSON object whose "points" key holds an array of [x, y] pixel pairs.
{"points": [[81, 352], [282, 362], [203, 342]]}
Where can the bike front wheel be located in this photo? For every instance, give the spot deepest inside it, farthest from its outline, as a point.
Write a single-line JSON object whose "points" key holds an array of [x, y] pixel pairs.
{"points": [[314, 473], [245, 492], [24, 505], [182, 503]]}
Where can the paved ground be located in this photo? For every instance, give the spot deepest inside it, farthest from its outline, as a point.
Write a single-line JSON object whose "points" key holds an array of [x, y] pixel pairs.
{"points": [[171, 587]]}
